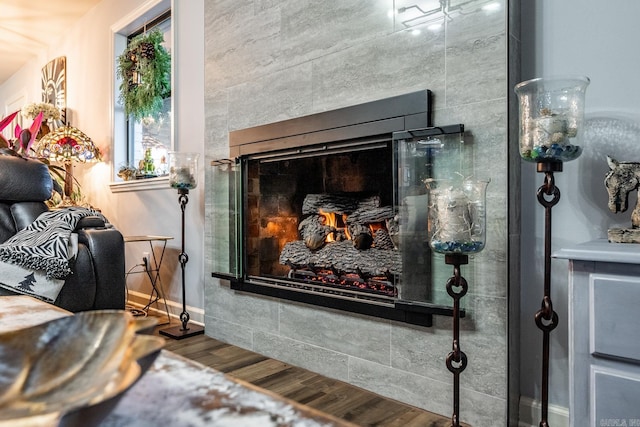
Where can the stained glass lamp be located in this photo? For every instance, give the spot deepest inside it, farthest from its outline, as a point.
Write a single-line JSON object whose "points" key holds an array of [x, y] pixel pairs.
{"points": [[66, 145]]}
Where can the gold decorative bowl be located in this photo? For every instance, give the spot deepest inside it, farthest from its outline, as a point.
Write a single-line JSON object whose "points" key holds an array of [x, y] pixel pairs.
{"points": [[73, 369]]}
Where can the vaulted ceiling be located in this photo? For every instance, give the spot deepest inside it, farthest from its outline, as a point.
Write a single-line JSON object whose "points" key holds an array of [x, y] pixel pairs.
{"points": [[28, 26]]}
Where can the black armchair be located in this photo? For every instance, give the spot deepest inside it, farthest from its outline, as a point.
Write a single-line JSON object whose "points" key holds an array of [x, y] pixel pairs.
{"points": [[97, 280]]}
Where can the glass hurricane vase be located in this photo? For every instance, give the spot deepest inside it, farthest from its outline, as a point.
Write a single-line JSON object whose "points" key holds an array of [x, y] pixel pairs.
{"points": [[183, 170], [551, 118], [457, 216]]}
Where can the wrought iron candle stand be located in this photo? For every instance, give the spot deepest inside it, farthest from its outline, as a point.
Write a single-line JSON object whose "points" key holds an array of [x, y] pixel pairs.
{"points": [[546, 318], [551, 123], [182, 175], [456, 359], [457, 228]]}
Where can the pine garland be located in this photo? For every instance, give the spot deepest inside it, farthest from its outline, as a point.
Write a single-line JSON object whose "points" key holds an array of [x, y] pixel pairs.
{"points": [[144, 69]]}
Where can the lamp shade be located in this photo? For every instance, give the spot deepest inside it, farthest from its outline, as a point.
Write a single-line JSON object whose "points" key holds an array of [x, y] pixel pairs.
{"points": [[67, 144]]}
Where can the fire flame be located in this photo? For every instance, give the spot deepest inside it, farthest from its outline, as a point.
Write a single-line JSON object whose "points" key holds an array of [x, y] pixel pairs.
{"points": [[272, 228], [374, 227], [329, 219], [337, 222]]}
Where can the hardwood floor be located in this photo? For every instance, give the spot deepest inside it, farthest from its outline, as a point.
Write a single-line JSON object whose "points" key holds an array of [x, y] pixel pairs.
{"points": [[334, 397]]}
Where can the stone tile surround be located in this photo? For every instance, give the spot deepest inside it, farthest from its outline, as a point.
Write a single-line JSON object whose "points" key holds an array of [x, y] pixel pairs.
{"points": [[268, 60]]}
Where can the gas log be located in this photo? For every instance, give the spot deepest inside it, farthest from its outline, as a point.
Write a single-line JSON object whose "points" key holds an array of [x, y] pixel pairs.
{"points": [[343, 257], [347, 232]]}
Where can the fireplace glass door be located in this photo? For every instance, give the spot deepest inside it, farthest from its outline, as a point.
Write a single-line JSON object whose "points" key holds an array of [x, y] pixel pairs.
{"points": [[347, 219]]}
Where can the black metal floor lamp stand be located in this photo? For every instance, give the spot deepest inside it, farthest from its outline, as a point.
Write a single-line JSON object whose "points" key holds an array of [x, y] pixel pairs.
{"points": [[546, 318], [456, 359], [184, 330]]}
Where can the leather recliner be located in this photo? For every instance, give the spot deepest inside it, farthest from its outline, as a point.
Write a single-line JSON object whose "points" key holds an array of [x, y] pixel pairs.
{"points": [[97, 280]]}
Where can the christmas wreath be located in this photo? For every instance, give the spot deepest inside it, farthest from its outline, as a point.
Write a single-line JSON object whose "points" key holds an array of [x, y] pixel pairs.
{"points": [[145, 70]]}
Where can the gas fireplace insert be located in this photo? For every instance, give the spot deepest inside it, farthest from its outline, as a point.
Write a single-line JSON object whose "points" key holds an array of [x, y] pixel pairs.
{"points": [[330, 209]]}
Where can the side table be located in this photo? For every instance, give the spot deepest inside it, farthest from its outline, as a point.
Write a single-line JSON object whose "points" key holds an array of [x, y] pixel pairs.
{"points": [[604, 356], [152, 268]]}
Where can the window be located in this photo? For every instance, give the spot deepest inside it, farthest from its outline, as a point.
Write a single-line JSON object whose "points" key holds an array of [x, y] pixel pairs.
{"points": [[142, 142], [149, 139]]}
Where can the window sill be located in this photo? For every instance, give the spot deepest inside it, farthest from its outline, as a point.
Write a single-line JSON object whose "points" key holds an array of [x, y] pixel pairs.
{"points": [[159, 183]]}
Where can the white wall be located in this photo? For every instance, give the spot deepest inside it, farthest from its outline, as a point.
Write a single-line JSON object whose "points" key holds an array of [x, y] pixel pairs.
{"points": [[90, 69], [597, 39]]}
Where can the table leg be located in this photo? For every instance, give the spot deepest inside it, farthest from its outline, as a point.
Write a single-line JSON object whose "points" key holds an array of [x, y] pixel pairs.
{"points": [[153, 272]]}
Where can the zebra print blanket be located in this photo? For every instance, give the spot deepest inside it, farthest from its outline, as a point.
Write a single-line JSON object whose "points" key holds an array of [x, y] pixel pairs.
{"points": [[44, 244], [29, 282]]}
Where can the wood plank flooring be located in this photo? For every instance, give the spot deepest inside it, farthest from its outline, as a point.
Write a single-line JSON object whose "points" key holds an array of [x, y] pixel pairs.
{"points": [[334, 397]]}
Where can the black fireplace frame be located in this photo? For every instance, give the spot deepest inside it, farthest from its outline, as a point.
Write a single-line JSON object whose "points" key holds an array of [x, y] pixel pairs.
{"points": [[380, 118]]}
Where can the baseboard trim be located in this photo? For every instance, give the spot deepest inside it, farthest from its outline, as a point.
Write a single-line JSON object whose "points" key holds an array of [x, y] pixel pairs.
{"points": [[529, 414], [139, 300]]}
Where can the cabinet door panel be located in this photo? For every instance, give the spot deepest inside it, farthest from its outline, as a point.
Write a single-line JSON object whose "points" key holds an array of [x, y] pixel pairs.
{"points": [[615, 398], [614, 328]]}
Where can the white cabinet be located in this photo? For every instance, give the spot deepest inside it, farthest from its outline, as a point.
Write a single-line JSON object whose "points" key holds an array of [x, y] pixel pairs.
{"points": [[604, 333]]}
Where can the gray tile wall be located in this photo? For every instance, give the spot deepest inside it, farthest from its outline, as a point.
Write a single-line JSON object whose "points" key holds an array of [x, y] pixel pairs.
{"points": [[269, 60], [514, 222]]}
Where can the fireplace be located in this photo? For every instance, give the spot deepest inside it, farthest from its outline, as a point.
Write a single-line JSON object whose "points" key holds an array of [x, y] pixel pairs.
{"points": [[330, 209]]}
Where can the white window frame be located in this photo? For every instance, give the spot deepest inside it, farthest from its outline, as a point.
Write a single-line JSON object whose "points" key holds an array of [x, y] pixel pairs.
{"points": [[120, 30]]}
